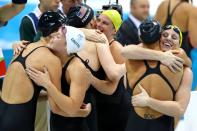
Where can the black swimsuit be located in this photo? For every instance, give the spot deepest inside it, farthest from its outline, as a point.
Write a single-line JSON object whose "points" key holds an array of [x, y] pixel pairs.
{"points": [[113, 110], [90, 98], [186, 45], [163, 123], [19, 117], [61, 123]]}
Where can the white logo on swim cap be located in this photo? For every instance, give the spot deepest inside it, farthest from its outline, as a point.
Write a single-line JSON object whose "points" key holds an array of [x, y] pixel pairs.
{"points": [[75, 40]]}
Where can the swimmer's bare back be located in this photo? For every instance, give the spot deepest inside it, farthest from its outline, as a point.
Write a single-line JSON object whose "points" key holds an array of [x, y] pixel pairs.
{"points": [[184, 8], [155, 85], [17, 87], [89, 53]]}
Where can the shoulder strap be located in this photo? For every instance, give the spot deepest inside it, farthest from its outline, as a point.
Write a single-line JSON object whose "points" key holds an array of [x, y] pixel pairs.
{"points": [[33, 51], [169, 8], [34, 21], [175, 8]]}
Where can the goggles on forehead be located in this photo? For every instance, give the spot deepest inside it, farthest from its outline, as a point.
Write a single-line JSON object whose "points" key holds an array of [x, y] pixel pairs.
{"points": [[177, 30]]}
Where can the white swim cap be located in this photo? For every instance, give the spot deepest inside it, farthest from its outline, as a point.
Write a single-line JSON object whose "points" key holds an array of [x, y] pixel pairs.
{"points": [[75, 40]]}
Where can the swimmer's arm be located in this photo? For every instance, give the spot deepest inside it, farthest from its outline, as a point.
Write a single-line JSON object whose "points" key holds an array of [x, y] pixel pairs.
{"points": [[136, 52], [181, 53], [116, 52], [104, 86], [94, 35], [113, 71], [175, 108], [80, 113], [79, 84], [10, 10]]}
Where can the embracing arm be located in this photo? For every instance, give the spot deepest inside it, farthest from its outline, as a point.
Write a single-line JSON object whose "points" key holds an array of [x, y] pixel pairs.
{"points": [[175, 108], [181, 53], [137, 52], [79, 84], [51, 78], [104, 86], [80, 113], [94, 35], [113, 71]]}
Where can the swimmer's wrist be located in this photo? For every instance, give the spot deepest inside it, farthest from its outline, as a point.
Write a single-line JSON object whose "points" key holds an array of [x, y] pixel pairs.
{"points": [[148, 101], [48, 84]]}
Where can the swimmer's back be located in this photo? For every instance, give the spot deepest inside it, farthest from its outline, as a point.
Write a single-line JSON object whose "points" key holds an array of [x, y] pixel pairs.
{"points": [[17, 87]]}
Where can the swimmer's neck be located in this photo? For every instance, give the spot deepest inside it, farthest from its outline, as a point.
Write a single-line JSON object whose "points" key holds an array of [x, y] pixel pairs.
{"points": [[63, 57], [43, 41], [154, 46]]}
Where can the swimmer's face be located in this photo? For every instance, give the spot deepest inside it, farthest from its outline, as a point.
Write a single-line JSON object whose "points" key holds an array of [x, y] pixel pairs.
{"points": [[50, 5], [105, 25], [169, 40], [58, 40]]}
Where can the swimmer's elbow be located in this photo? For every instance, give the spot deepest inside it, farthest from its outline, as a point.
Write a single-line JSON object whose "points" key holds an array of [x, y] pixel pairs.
{"points": [[113, 76], [55, 109], [180, 112]]}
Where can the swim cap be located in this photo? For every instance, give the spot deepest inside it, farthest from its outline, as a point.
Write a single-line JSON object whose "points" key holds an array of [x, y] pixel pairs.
{"points": [[50, 22], [114, 16], [150, 31], [80, 15], [177, 30], [75, 40]]}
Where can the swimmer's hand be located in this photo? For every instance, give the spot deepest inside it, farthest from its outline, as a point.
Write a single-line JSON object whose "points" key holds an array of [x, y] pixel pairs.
{"points": [[174, 63], [86, 109], [19, 46], [142, 99], [95, 36], [40, 78]]}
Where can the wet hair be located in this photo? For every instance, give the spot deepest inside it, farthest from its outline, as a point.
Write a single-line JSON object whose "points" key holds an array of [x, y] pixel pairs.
{"points": [[50, 22], [80, 15], [150, 31]]}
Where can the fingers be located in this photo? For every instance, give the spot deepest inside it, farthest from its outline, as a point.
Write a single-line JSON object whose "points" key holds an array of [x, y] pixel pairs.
{"points": [[45, 70], [172, 69], [31, 74], [179, 64], [179, 59], [177, 68], [25, 43], [174, 51], [34, 70], [98, 31], [135, 102]]}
